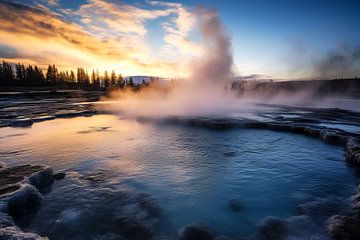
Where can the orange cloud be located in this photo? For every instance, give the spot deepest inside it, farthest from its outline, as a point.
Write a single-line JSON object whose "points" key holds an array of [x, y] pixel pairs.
{"points": [[108, 36]]}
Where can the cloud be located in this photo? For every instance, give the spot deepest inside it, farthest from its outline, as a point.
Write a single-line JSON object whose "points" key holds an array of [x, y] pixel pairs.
{"points": [[8, 52], [53, 2], [178, 29], [185, 21], [86, 20], [100, 34], [121, 18], [165, 4]]}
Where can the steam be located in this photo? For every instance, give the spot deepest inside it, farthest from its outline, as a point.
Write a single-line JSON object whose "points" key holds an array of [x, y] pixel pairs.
{"points": [[215, 66], [204, 92], [342, 62]]}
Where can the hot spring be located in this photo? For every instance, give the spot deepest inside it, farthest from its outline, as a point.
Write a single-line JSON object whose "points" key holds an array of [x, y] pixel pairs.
{"points": [[231, 180]]}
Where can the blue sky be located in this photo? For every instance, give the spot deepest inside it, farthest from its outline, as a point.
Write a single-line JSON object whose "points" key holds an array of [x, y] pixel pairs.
{"points": [[281, 39]]}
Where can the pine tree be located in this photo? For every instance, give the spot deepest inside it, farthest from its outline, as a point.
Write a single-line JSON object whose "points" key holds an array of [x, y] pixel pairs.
{"points": [[131, 82], [120, 81], [6, 74], [113, 79], [106, 80], [72, 77]]}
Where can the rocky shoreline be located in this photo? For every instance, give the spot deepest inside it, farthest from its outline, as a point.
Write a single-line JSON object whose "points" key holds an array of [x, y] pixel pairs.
{"points": [[21, 193], [339, 227], [22, 187], [24, 108]]}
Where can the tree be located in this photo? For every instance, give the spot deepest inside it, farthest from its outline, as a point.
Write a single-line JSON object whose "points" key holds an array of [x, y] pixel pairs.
{"points": [[94, 82], [30, 76], [20, 73], [33, 75], [120, 81], [72, 77], [130, 82], [98, 78], [38, 76], [106, 80], [6, 74], [113, 79], [52, 74], [93, 77]]}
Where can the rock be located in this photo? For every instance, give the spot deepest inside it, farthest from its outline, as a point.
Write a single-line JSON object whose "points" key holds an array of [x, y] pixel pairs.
{"points": [[14, 233], [139, 219], [195, 232], [42, 179], [6, 220], [221, 237], [356, 200], [73, 113], [149, 204], [134, 229], [109, 236], [42, 118], [24, 200], [352, 151], [295, 227], [59, 176], [21, 123], [333, 137], [343, 228], [273, 228], [12, 178], [235, 205], [313, 132], [15, 175], [321, 207], [297, 129], [278, 127], [20, 195]]}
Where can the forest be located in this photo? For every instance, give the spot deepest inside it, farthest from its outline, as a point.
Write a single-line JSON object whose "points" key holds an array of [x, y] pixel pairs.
{"points": [[33, 76]]}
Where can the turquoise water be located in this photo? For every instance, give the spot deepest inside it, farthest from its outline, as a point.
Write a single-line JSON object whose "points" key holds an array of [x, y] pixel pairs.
{"points": [[192, 173]]}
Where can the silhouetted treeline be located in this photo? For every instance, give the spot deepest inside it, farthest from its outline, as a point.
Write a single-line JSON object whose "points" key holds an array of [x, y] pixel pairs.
{"points": [[33, 76]]}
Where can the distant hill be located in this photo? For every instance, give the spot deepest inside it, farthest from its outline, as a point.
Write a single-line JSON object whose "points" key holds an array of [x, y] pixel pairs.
{"points": [[139, 79], [312, 88]]}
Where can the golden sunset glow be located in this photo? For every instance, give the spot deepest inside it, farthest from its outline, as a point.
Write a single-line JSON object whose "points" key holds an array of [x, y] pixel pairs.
{"points": [[108, 36]]}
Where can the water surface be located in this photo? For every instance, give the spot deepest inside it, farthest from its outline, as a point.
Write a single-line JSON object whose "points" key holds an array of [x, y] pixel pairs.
{"points": [[193, 173]]}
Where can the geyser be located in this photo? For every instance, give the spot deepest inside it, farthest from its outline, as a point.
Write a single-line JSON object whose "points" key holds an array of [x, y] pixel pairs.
{"points": [[204, 92]]}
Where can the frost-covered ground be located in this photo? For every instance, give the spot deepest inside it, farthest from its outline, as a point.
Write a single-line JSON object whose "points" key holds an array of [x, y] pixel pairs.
{"points": [[17, 108]]}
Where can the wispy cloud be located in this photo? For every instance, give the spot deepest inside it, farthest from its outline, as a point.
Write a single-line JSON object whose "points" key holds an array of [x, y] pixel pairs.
{"points": [[53, 2], [120, 18], [100, 34]]}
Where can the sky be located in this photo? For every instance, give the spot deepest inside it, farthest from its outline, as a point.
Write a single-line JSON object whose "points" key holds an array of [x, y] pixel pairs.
{"points": [[291, 39]]}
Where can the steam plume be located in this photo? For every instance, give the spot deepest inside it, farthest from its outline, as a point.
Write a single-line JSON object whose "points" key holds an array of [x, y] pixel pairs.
{"points": [[216, 64], [202, 93]]}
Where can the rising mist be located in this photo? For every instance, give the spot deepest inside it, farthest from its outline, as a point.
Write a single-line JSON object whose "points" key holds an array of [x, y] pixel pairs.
{"points": [[205, 92]]}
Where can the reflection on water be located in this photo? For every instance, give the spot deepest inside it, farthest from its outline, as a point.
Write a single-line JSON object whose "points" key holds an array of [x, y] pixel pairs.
{"points": [[193, 173]]}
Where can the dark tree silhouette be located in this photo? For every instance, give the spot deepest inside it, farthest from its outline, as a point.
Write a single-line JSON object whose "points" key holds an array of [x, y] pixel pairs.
{"points": [[20, 73], [6, 74], [33, 76], [113, 79], [130, 82], [120, 81], [106, 80]]}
